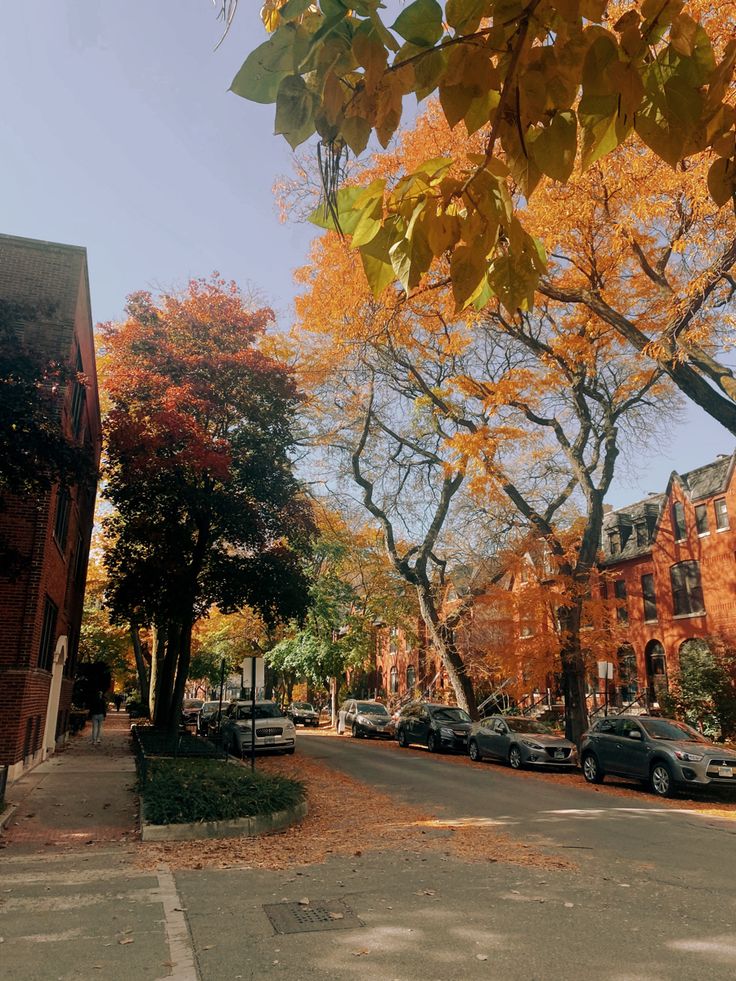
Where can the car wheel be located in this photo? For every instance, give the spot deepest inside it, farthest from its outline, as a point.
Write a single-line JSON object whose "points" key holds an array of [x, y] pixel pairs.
{"points": [[355, 730], [474, 752], [290, 752], [515, 759], [432, 745], [660, 780], [591, 769], [402, 740]]}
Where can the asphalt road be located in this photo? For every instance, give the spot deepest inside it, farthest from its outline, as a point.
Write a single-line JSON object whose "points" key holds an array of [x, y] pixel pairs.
{"points": [[588, 824]]}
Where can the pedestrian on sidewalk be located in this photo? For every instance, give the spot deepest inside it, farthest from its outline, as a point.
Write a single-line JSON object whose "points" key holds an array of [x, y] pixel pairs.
{"points": [[118, 700], [97, 713]]}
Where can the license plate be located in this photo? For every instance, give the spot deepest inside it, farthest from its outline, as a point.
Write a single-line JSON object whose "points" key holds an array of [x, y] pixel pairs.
{"points": [[559, 754], [725, 771], [269, 740]]}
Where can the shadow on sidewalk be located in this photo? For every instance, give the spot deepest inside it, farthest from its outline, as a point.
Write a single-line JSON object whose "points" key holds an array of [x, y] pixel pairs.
{"points": [[84, 794]]}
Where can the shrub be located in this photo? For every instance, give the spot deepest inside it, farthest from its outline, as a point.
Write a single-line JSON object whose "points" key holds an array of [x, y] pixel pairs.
{"points": [[183, 791], [156, 742]]}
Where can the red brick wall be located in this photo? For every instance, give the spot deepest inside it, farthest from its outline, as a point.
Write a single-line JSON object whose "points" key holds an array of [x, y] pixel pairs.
{"points": [[52, 571]]}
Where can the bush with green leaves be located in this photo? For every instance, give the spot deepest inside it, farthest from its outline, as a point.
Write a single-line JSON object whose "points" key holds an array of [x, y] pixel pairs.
{"points": [[184, 791], [703, 690]]}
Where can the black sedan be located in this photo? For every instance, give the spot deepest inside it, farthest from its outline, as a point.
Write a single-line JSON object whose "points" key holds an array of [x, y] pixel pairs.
{"points": [[437, 727]]}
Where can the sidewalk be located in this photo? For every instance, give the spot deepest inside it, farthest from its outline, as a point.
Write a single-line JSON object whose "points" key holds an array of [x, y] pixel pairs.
{"points": [[82, 795], [73, 905]]}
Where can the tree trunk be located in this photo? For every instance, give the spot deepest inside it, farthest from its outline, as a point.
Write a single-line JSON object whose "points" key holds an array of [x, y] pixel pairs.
{"points": [[158, 645], [442, 639], [166, 677], [573, 674], [182, 672], [140, 664]]}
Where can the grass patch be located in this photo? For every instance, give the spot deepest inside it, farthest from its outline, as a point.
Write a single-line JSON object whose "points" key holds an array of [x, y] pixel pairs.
{"points": [[186, 791]]}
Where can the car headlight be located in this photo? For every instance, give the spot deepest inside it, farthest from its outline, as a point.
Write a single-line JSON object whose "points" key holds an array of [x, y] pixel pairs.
{"points": [[447, 733], [688, 757], [364, 721], [531, 744], [289, 725]]}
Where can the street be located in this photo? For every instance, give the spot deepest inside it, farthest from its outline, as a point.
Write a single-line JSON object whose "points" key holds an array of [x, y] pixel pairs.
{"points": [[613, 886]]}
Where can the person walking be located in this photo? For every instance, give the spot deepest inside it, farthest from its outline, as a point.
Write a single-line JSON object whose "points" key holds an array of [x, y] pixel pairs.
{"points": [[97, 713]]}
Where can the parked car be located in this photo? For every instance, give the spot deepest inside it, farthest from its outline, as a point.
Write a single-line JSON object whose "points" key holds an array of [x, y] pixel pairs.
{"points": [[273, 730], [437, 727], [520, 742], [366, 718], [190, 711], [303, 712], [207, 719], [662, 753]]}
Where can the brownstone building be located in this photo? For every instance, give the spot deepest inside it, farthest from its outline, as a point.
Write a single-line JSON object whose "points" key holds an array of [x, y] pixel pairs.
{"points": [[672, 559], [41, 606]]}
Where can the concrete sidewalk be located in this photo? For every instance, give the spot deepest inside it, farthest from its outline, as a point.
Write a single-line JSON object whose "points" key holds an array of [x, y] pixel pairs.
{"points": [[73, 905], [81, 795]]}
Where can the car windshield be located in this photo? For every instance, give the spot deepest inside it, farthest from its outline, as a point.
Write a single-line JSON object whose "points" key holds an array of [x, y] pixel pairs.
{"points": [[302, 705], [676, 731], [210, 706], [528, 725], [262, 712], [372, 708], [193, 703], [451, 715]]}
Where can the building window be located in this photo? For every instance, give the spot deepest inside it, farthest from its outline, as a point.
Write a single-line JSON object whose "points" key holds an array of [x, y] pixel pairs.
{"points": [[619, 590], [642, 534], [687, 591], [79, 397], [411, 677], [61, 520], [393, 641], [614, 542], [701, 518], [48, 635], [649, 596], [721, 514], [394, 680], [678, 522]]}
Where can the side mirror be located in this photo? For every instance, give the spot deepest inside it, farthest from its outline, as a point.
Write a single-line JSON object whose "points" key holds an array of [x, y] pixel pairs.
{"points": [[635, 734]]}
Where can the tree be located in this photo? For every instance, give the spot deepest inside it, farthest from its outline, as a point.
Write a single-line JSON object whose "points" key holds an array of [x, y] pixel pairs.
{"points": [[703, 689], [630, 104], [352, 588], [35, 453], [99, 639], [208, 511], [532, 411], [546, 82], [225, 637]]}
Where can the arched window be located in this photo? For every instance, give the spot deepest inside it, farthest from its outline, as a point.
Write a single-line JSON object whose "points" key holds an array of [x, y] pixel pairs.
{"points": [[394, 676], [687, 591], [411, 677]]}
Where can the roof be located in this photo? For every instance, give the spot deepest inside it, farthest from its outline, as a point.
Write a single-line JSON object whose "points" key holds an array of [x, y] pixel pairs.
{"points": [[708, 480], [626, 519]]}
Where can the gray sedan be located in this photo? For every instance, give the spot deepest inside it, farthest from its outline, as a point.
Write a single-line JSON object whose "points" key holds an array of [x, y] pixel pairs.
{"points": [[520, 741]]}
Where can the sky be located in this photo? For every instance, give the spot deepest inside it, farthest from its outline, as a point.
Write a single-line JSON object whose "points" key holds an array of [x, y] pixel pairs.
{"points": [[120, 135]]}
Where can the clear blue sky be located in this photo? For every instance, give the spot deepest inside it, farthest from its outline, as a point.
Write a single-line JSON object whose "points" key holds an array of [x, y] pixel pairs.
{"points": [[120, 135]]}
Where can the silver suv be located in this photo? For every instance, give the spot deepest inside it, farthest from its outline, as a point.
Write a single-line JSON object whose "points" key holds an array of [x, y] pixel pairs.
{"points": [[273, 730], [662, 753]]}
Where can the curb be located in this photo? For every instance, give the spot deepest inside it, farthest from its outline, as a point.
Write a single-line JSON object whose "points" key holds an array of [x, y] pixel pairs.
{"points": [[259, 824], [7, 814]]}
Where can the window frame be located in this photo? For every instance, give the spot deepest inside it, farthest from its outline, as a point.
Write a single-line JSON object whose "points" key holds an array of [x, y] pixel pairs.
{"points": [[48, 635], [61, 517], [701, 511], [689, 588], [649, 598], [679, 524], [723, 513], [620, 592]]}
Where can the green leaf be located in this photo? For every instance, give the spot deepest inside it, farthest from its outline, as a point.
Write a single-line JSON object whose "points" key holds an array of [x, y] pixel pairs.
{"points": [[294, 110], [356, 132], [555, 147], [263, 70], [465, 15], [420, 23], [722, 180], [377, 262], [347, 216], [468, 271], [427, 71], [293, 9]]}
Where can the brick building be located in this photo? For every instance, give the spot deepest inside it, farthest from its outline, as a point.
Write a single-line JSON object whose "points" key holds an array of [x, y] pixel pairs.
{"points": [[41, 607], [672, 562]]}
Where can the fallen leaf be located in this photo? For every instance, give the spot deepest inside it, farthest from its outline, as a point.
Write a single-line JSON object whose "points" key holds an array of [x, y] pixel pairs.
{"points": [[126, 940], [304, 901], [361, 953], [481, 957], [337, 916], [569, 905]]}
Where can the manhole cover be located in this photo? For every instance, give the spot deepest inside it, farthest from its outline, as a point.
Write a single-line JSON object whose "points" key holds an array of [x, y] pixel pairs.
{"points": [[327, 914]]}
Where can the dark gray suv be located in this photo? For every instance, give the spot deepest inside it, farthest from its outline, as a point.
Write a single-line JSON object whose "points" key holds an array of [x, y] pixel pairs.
{"points": [[662, 753]]}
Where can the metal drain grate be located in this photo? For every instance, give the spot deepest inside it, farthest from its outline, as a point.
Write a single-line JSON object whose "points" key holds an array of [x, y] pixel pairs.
{"points": [[328, 914]]}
